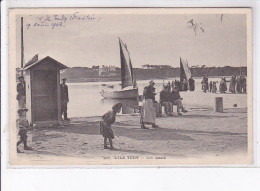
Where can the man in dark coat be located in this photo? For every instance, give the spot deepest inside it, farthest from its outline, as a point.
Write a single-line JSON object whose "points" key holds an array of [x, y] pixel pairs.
{"points": [[205, 83], [232, 85], [21, 92], [165, 99], [192, 84], [177, 100], [64, 96], [243, 84], [238, 82]]}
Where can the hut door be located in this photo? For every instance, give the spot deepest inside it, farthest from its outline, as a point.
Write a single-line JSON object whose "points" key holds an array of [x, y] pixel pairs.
{"points": [[44, 95]]}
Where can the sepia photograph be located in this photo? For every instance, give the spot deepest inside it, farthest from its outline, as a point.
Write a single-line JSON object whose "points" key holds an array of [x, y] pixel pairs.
{"points": [[130, 86]]}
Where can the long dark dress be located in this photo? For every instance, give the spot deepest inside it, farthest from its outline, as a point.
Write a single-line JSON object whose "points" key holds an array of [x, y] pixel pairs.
{"points": [[192, 84], [238, 82], [205, 84], [105, 124], [232, 85], [222, 86]]}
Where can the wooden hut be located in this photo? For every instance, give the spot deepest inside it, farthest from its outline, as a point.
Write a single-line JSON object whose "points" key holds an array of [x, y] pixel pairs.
{"points": [[43, 90]]}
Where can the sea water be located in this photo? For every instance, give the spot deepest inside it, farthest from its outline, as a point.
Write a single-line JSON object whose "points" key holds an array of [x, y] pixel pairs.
{"points": [[86, 101]]}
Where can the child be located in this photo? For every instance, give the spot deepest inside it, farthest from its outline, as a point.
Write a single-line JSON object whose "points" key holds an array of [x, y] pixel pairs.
{"points": [[214, 87], [23, 126], [105, 125]]}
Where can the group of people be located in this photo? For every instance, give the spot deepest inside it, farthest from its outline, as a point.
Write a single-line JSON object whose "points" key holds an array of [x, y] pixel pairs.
{"points": [[212, 87], [184, 85], [22, 122], [237, 85], [170, 96]]}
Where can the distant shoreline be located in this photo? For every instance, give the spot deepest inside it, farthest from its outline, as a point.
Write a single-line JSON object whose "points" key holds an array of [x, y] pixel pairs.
{"points": [[77, 74], [83, 80]]}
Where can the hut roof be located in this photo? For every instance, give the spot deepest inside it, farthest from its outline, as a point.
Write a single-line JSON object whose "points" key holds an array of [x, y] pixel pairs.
{"points": [[60, 65]]}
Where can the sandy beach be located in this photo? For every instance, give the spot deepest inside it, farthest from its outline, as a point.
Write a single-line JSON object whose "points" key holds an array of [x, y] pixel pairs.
{"points": [[199, 133]]}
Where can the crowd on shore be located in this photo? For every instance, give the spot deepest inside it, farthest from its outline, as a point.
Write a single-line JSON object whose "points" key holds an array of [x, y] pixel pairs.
{"points": [[23, 124], [169, 96], [237, 84]]}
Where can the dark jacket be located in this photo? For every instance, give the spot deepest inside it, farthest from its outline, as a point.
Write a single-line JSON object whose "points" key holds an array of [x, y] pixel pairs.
{"points": [[192, 84], [21, 89], [64, 94], [165, 96], [149, 93], [175, 96]]}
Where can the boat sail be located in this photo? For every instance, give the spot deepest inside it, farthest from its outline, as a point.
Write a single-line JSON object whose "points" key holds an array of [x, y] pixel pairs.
{"points": [[185, 72], [129, 88], [126, 66]]}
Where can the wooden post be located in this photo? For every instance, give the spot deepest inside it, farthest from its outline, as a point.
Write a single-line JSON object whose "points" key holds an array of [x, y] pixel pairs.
{"points": [[219, 104], [22, 47], [28, 89], [58, 94]]}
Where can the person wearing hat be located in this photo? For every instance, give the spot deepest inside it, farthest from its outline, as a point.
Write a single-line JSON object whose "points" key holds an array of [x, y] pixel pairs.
{"points": [[64, 96], [165, 100], [21, 97], [105, 125], [148, 114], [23, 126], [177, 100]]}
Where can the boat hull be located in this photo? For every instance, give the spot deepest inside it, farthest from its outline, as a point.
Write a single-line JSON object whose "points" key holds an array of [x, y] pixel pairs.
{"points": [[122, 94]]}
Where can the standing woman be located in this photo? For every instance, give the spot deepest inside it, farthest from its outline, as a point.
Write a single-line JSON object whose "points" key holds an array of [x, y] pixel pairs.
{"points": [[232, 85], [105, 125], [148, 114]]}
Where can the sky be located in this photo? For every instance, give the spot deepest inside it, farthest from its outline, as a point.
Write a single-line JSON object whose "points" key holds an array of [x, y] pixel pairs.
{"points": [[151, 39]]}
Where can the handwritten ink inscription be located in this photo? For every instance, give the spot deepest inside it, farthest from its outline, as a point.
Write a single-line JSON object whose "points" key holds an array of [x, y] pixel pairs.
{"points": [[58, 21]]}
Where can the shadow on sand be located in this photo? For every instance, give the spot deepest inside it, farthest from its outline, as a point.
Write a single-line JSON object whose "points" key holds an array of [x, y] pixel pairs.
{"points": [[203, 116], [135, 132]]}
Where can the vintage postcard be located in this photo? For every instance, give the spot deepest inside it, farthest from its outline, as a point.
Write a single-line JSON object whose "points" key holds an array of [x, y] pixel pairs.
{"points": [[130, 86]]}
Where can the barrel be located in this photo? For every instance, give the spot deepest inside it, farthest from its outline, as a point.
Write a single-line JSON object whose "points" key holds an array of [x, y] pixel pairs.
{"points": [[219, 104]]}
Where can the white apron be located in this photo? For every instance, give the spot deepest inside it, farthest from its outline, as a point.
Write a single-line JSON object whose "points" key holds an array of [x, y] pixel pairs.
{"points": [[149, 114]]}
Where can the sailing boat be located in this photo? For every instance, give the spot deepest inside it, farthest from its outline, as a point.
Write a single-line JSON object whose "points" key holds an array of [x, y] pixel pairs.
{"points": [[185, 72], [129, 88]]}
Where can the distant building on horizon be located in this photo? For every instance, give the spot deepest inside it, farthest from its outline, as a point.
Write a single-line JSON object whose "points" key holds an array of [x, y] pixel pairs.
{"points": [[147, 66], [107, 71]]}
